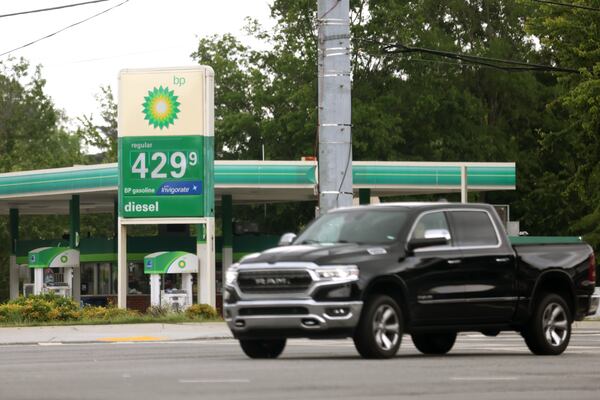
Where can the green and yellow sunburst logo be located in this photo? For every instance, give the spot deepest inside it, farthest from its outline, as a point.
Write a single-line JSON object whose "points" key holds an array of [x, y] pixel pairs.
{"points": [[182, 264], [161, 107]]}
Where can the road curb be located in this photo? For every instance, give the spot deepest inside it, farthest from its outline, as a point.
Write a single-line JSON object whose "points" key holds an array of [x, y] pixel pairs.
{"points": [[98, 341]]}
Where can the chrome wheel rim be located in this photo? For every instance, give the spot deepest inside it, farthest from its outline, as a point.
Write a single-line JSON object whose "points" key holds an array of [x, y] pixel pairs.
{"points": [[555, 324], [386, 327]]}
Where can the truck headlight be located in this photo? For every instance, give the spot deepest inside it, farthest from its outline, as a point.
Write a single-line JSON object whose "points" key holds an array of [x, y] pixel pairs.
{"points": [[338, 273], [231, 275]]}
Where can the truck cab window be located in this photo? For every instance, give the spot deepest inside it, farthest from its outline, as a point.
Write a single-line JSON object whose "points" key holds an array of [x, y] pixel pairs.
{"points": [[473, 228], [360, 226], [430, 221]]}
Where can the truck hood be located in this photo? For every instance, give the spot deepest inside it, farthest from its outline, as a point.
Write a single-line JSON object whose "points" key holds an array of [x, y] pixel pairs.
{"points": [[341, 253]]}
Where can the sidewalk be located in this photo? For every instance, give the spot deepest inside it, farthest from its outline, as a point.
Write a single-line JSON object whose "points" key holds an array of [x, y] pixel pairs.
{"points": [[139, 333], [114, 333]]}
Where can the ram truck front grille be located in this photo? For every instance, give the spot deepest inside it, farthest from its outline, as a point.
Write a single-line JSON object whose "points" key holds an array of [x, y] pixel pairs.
{"points": [[268, 282]]}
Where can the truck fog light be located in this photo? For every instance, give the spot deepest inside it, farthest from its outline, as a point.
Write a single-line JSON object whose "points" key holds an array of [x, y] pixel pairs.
{"points": [[337, 311], [240, 323], [341, 292], [310, 322]]}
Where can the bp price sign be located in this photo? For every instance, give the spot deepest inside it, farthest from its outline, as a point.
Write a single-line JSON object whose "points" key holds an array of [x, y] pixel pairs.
{"points": [[166, 143]]}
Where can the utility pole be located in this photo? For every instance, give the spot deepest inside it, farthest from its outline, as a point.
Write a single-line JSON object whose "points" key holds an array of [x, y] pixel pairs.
{"points": [[335, 139]]}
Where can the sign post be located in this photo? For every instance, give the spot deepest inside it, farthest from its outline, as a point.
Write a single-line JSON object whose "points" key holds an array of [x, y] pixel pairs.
{"points": [[166, 147]]}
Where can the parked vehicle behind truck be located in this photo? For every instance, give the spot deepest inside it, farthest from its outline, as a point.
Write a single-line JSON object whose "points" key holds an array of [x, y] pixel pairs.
{"points": [[431, 270]]}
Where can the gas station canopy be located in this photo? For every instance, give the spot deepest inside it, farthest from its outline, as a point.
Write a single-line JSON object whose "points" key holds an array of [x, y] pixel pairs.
{"points": [[48, 191]]}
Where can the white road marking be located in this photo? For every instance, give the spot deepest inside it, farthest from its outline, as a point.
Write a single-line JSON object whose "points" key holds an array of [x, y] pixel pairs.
{"points": [[484, 378], [214, 380], [49, 344]]}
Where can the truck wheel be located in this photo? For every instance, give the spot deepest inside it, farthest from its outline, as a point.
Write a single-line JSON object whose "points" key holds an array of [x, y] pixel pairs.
{"points": [[434, 343], [379, 331], [549, 330], [262, 348]]}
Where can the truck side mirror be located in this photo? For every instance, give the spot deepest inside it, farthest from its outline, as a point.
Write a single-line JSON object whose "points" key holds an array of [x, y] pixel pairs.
{"points": [[419, 243], [286, 239], [432, 237]]}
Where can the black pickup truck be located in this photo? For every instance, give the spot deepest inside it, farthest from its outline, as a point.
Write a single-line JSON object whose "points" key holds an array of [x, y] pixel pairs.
{"points": [[431, 270]]}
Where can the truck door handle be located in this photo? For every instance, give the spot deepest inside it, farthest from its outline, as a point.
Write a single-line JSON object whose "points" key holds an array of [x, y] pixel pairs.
{"points": [[503, 259], [454, 262]]}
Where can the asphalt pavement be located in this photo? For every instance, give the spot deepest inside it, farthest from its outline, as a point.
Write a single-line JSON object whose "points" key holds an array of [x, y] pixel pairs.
{"points": [[176, 367]]}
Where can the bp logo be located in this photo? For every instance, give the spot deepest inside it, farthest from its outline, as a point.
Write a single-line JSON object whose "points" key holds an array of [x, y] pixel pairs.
{"points": [[161, 107], [181, 264], [64, 259]]}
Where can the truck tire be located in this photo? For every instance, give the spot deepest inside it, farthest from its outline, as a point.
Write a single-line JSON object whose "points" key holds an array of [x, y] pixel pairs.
{"points": [[549, 329], [380, 328], [434, 343], [262, 348]]}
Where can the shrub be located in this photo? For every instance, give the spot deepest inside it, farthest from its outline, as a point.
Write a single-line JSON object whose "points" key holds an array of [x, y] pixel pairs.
{"points": [[64, 314], [36, 309], [157, 311], [50, 308], [107, 313], [203, 311], [11, 313], [93, 313], [120, 313], [61, 302]]}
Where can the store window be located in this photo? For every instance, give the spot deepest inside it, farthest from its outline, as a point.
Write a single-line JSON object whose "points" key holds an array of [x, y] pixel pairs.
{"points": [[139, 283], [105, 278], [87, 278]]}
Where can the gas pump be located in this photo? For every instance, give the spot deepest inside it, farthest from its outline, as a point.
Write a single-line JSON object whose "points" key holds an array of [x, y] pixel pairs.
{"points": [[172, 262], [53, 270]]}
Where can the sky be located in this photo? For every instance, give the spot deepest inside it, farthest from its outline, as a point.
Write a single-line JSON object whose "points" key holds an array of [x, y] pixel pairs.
{"points": [[137, 34]]}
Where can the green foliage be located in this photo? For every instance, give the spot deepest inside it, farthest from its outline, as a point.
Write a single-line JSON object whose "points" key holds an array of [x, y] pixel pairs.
{"points": [[157, 311], [202, 311], [404, 107], [566, 196], [51, 309], [11, 313], [108, 314], [42, 308], [101, 136], [33, 135]]}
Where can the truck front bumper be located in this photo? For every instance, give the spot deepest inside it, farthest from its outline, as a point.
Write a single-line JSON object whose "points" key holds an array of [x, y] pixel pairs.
{"points": [[292, 318]]}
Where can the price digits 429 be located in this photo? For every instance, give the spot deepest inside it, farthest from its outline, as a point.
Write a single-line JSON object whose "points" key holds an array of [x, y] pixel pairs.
{"points": [[160, 165]]}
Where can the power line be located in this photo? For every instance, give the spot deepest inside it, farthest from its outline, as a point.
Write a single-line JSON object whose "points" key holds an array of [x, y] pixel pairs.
{"points": [[64, 29], [556, 3], [51, 8], [506, 65]]}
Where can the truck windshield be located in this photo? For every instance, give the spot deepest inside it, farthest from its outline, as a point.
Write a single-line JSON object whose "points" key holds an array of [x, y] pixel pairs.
{"points": [[361, 226]]}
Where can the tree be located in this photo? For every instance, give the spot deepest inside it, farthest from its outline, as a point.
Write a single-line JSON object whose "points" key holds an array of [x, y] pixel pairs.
{"points": [[32, 136], [102, 136], [404, 106], [570, 152], [32, 131]]}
